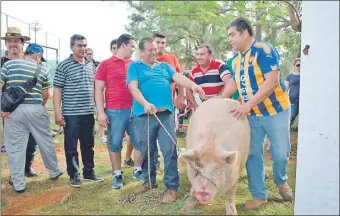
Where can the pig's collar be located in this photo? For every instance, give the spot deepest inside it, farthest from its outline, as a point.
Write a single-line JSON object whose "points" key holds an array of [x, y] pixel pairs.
{"points": [[198, 173]]}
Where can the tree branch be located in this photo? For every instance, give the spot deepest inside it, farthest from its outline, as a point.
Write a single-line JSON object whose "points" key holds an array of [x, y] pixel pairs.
{"points": [[197, 14], [297, 15]]}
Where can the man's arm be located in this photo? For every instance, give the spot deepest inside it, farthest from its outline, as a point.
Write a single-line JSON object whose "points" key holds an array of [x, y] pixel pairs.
{"points": [[191, 98], [99, 96], [229, 88], [56, 99], [136, 93]]}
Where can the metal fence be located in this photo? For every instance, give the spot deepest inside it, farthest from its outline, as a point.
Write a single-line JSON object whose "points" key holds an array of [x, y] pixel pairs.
{"points": [[50, 42]]}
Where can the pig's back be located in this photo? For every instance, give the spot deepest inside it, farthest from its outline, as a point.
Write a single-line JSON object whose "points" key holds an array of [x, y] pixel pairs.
{"points": [[212, 124]]}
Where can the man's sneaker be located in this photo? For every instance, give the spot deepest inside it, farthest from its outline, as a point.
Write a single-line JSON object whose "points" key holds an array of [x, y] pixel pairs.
{"points": [[93, 177], [285, 192], [138, 175], [3, 149], [169, 196], [20, 191], [145, 187], [158, 168], [117, 182], [129, 163], [75, 181], [60, 174]]}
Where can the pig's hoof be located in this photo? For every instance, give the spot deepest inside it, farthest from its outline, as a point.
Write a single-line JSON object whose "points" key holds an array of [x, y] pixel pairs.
{"points": [[190, 203], [231, 209]]}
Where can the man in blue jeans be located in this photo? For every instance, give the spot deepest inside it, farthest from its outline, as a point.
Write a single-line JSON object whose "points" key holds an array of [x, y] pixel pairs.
{"points": [[265, 102], [150, 84]]}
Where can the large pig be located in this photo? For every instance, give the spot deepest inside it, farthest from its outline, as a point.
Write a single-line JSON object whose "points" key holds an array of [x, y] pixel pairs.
{"points": [[217, 150]]}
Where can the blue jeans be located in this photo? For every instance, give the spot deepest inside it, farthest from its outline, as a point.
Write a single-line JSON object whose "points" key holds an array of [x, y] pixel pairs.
{"points": [[79, 127], [139, 137], [119, 123], [276, 128], [294, 111]]}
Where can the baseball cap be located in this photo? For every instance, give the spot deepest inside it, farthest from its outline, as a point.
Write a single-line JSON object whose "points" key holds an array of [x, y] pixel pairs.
{"points": [[36, 48]]}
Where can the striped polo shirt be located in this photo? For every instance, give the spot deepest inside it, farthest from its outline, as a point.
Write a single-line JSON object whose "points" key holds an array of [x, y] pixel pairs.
{"points": [[211, 81], [77, 83], [15, 72], [250, 68]]}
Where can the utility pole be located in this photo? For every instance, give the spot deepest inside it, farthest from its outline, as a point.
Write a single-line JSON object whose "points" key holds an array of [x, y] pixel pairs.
{"points": [[35, 26]]}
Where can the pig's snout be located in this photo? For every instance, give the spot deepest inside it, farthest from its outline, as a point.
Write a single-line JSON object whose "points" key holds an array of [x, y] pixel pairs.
{"points": [[203, 197]]}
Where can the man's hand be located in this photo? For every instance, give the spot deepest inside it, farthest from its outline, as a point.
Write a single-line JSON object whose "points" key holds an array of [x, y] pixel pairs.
{"points": [[197, 89], [5, 115], [241, 111], [103, 119], [149, 108], [59, 119], [179, 101]]}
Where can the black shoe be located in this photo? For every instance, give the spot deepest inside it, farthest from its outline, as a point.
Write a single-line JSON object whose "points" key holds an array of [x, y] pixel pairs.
{"points": [[93, 177], [20, 191], [3, 149], [60, 174], [30, 173], [129, 163], [11, 183], [75, 181]]}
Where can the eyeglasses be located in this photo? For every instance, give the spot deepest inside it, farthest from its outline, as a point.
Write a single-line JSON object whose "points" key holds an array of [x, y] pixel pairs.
{"points": [[298, 65]]}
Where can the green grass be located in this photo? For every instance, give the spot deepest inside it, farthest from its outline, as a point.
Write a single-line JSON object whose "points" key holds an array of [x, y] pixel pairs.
{"points": [[99, 198]]}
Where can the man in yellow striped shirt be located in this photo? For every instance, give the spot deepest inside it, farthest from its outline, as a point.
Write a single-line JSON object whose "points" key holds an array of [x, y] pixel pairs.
{"points": [[265, 102]]}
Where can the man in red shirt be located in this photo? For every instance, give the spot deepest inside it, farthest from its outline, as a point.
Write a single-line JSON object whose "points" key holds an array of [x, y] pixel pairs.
{"points": [[210, 74], [111, 74]]}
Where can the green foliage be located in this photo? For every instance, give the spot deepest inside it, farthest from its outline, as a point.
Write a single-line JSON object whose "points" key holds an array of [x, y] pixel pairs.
{"points": [[188, 24]]}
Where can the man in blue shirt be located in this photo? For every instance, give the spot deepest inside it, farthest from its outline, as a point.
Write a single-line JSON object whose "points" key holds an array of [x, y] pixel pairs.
{"points": [[150, 84]]}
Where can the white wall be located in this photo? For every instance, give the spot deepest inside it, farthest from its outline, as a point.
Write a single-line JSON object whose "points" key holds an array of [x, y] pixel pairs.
{"points": [[317, 179]]}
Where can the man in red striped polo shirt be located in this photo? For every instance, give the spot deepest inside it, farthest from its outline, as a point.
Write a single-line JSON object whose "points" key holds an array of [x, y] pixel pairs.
{"points": [[111, 74], [210, 74]]}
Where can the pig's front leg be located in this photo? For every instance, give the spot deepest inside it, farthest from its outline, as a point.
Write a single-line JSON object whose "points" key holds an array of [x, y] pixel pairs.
{"points": [[191, 201], [231, 209]]}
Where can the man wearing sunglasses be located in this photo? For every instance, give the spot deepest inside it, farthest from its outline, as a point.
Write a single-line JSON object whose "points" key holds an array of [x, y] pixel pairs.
{"points": [[210, 74], [293, 86]]}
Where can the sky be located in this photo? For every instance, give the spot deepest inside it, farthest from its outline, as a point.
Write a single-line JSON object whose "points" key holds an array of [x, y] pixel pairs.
{"points": [[99, 21]]}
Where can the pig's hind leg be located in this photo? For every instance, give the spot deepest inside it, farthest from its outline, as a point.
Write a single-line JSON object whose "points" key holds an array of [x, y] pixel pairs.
{"points": [[231, 208]]}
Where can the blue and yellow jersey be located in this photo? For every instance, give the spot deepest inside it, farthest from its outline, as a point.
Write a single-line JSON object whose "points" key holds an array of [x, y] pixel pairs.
{"points": [[15, 72], [250, 69]]}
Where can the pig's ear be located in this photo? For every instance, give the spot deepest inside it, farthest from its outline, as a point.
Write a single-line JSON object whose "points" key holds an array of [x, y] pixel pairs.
{"points": [[188, 155], [229, 156]]}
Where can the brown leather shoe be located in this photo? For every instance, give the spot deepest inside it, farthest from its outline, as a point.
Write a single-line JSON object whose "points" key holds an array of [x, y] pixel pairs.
{"points": [[254, 204], [286, 192], [169, 196], [145, 187]]}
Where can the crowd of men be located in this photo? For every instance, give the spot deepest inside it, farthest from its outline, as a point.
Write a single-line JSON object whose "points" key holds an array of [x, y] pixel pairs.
{"points": [[136, 100]]}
